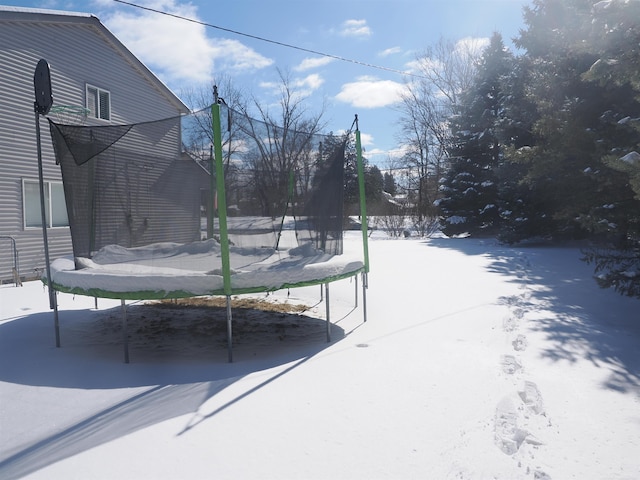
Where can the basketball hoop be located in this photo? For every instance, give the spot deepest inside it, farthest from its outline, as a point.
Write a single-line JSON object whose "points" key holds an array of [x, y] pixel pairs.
{"points": [[42, 88], [69, 114]]}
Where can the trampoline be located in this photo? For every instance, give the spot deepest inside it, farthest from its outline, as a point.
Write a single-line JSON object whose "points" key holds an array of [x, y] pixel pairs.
{"points": [[182, 207]]}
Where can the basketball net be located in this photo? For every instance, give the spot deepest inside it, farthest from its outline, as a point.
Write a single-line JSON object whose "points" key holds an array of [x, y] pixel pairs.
{"points": [[68, 114]]}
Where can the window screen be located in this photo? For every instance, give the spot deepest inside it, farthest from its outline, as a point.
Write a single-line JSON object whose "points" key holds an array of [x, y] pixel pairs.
{"points": [[98, 103], [54, 204]]}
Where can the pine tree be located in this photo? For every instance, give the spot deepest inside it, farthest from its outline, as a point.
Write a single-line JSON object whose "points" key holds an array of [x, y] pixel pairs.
{"points": [[518, 205], [614, 38], [565, 169], [470, 190], [586, 88], [389, 183], [373, 183], [351, 186]]}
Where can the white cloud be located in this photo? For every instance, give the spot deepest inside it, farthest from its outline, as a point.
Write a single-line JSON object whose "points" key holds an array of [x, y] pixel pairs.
{"points": [[422, 64], [177, 50], [385, 158], [463, 49], [302, 86], [389, 51], [398, 152], [369, 92], [312, 62], [98, 3], [234, 55], [355, 28], [366, 139], [472, 44], [310, 82]]}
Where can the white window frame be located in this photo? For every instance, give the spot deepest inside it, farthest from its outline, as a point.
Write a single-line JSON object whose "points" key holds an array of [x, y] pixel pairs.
{"points": [[55, 205], [94, 104]]}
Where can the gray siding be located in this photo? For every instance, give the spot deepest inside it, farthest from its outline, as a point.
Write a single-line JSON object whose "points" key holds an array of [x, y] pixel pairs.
{"points": [[80, 51]]}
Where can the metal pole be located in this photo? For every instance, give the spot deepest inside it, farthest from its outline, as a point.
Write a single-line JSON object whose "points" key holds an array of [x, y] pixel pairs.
{"points": [[16, 269], [326, 288], [229, 330], [211, 206], [365, 285], [56, 321], [125, 333], [356, 305], [363, 202], [53, 303]]}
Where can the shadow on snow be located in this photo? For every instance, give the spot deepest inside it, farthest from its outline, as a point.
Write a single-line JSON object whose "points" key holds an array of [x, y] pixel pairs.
{"points": [[179, 362], [579, 319]]}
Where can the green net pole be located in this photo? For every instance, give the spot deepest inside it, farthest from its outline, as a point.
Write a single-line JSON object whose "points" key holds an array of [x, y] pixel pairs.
{"points": [[211, 205], [221, 195], [363, 203]]}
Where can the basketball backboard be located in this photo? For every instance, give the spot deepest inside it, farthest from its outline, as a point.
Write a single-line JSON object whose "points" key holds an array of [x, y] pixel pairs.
{"points": [[42, 88]]}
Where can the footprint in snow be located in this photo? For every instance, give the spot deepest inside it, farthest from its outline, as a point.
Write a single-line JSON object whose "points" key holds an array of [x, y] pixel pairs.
{"points": [[508, 437], [532, 398], [520, 343], [510, 364]]}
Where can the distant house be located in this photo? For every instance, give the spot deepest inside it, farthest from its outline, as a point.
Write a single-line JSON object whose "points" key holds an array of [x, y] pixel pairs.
{"points": [[91, 69]]}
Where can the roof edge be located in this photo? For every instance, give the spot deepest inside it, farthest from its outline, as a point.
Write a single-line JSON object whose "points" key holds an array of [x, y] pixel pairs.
{"points": [[43, 11]]}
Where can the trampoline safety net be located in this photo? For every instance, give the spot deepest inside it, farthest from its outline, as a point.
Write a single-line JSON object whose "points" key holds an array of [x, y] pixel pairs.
{"points": [[153, 184]]}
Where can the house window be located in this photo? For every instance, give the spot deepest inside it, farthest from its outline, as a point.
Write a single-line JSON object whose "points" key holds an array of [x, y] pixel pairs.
{"points": [[98, 103], [54, 204]]}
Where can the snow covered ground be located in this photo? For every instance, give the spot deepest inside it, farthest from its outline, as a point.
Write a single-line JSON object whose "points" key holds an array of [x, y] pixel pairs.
{"points": [[478, 361]]}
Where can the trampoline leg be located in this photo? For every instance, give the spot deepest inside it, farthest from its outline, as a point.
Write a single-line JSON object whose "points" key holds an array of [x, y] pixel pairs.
{"points": [[326, 289], [56, 322], [356, 302], [229, 330], [125, 332], [365, 282]]}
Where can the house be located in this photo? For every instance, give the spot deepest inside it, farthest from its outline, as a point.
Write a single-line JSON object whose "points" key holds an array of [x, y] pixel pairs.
{"points": [[92, 71]]}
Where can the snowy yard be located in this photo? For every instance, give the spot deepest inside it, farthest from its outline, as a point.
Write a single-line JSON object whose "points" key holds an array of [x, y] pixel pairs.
{"points": [[478, 361]]}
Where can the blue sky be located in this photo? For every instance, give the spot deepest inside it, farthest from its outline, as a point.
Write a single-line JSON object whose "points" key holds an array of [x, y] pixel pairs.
{"points": [[386, 33]]}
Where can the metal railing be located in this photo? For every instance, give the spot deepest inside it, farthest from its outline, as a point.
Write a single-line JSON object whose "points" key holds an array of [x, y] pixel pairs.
{"points": [[15, 270]]}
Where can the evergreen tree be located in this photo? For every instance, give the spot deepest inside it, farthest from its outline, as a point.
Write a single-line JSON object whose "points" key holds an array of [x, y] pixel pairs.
{"points": [[470, 200], [351, 187], [614, 38], [520, 208], [389, 183], [373, 183], [373, 180], [574, 187], [585, 84]]}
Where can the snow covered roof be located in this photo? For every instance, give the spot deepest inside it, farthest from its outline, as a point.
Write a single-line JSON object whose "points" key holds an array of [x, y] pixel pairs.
{"points": [[43, 11]]}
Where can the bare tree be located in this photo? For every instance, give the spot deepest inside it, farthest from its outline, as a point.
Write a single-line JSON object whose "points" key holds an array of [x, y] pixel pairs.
{"points": [[446, 70], [281, 143], [198, 132], [270, 142], [449, 67]]}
